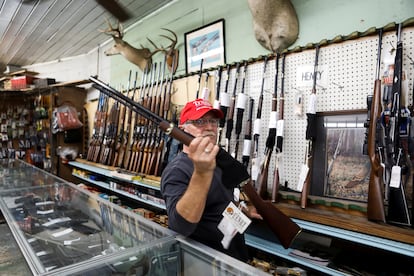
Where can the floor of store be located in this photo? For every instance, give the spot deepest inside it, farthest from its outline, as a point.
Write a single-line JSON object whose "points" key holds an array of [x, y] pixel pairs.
{"points": [[12, 261]]}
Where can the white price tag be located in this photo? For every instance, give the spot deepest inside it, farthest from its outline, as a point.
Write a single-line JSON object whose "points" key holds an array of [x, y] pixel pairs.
{"points": [[239, 220], [225, 99], [274, 116], [395, 177], [257, 126], [279, 128], [255, 168], [302, 177]]}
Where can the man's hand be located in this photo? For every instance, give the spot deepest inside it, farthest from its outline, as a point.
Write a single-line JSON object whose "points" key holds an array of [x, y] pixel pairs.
{"points": [[203, 154], [251, 211]]}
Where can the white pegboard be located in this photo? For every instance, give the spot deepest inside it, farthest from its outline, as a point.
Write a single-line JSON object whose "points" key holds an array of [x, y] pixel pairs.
{"points": [[350, 69]]}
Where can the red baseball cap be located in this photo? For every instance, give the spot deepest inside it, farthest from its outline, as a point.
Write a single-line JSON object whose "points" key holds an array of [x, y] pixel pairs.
{"points": [[196, 109]]}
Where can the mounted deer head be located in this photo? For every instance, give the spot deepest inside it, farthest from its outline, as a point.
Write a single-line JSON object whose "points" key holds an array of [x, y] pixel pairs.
{"points": [[141, 57], [171, 54], [275, 23]]}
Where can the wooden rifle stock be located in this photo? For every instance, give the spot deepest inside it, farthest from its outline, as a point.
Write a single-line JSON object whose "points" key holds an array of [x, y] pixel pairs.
{"points": [[234, 172], [375, 206]]}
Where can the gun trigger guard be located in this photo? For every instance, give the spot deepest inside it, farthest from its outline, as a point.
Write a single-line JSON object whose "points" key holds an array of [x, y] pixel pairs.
{"points": [[169, 129]]}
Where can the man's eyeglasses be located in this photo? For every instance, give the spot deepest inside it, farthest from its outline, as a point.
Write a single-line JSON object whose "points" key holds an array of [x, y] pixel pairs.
{"points": [[203, 122]]}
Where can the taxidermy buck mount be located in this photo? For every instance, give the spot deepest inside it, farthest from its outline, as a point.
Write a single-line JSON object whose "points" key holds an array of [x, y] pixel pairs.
{"points": [[171, 53], [142, 57], [275, 23]]}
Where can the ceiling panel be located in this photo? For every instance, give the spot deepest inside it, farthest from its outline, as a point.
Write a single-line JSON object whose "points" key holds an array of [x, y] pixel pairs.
{"points": [[37, 31]]}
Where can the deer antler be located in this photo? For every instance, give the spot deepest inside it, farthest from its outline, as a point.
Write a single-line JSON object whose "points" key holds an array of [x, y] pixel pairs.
{"points": [[115, 32], [138, 56], [170, 52]]}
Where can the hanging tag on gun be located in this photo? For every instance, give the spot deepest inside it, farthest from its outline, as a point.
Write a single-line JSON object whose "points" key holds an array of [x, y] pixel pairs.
{"points": [[395, 177], [298, 110]]}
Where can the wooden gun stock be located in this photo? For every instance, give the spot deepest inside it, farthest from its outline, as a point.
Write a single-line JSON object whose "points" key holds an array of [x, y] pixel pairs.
{"points": [[284, 228]]}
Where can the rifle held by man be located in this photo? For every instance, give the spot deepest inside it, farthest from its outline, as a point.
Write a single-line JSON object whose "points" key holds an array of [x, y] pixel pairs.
{"points": [[234, 173]]}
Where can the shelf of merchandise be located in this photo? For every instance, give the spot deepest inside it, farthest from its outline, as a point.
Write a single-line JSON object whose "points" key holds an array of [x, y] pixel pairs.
{"points": [[276, 249], [109, 174]]}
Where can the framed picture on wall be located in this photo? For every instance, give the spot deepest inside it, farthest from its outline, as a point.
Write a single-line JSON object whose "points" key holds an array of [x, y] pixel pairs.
{"points": [[206, 45]]}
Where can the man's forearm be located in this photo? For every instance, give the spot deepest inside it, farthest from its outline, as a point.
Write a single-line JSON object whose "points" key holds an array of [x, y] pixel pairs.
{"points": [[191, 204]]}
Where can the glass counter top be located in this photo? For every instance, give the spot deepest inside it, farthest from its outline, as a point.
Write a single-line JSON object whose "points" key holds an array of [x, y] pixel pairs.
{"points": [[58, 225]]}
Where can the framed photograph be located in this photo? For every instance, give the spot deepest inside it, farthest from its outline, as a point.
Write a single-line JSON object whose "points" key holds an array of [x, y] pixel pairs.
{"points": [[205, 44], [342, 164]]}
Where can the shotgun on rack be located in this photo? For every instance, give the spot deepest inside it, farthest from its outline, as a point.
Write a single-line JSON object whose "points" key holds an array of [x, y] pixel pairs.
{"points": [[224, 104], [200, 74], [240, 105], [279, 133], [262, 178], [234, 173], [247, 141], [125, 152], [230, 111], [398, 212], [310, 137], [119, 150], [257, 127], [375, 206]]}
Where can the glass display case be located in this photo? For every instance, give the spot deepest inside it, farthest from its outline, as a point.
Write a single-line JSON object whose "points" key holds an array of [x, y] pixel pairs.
{"points": [[62, 229]]}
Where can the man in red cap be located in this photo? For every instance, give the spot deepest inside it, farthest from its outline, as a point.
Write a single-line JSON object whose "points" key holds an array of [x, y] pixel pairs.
{"points": [[191, 183]]}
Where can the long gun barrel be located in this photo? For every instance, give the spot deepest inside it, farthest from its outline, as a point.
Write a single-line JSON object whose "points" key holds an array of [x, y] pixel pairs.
{"points": [[234, 173], [279, 133], [247, 141], [270, 140], [230, 113], [224, 104], [240, 105], [257, 126]]}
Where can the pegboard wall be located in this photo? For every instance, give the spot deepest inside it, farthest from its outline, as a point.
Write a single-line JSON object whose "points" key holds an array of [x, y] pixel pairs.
{"points": [[347, 74]]}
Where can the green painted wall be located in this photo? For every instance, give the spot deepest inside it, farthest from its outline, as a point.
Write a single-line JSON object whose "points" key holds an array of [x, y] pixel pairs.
{"points": [[318, 19]]}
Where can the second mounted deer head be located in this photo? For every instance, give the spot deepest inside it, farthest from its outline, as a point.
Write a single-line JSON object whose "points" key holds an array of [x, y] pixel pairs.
{"points": [[171, 53], [275, 23], [142, 57]]}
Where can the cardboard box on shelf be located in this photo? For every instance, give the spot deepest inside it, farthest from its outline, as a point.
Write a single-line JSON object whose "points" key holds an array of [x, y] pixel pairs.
{"points": [[22, 82], [44, 82]]}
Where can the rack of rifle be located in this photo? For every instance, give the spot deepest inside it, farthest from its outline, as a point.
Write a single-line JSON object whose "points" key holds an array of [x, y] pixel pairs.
{"points": [[136, 144], [129, 142]]}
